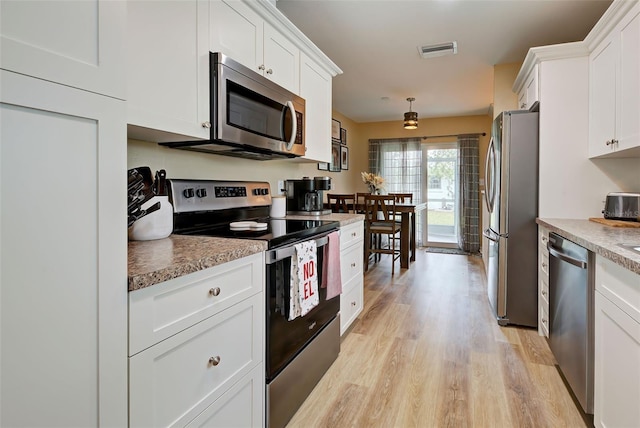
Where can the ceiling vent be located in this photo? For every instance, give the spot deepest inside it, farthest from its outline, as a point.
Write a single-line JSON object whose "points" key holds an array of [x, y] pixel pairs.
{"points": [[430, 51]]}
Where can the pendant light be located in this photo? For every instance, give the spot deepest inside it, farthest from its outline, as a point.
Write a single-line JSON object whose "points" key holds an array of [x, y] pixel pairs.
{"points": [[410, 117]]}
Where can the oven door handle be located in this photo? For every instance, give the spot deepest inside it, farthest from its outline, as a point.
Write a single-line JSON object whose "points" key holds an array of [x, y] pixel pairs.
{"points": [[278, 254]]}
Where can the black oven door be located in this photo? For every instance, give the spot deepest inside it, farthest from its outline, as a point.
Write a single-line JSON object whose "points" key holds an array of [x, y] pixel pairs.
{"points": [[285, 339]]}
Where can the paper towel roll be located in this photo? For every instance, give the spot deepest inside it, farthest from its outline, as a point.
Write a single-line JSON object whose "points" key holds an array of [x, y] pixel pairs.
{"points": [[278, 206]]}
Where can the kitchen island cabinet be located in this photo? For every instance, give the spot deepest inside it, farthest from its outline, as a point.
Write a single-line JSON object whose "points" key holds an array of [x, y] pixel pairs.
{"points": [[197, 348]]}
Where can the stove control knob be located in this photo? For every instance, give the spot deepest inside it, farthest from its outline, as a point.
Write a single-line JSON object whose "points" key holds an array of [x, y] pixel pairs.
{"points": [[256, 192], [188, 193], [201, 193]]}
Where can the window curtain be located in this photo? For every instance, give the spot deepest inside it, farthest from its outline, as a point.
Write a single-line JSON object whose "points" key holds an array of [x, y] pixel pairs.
{"points": [[399, 161], [468, 193]]}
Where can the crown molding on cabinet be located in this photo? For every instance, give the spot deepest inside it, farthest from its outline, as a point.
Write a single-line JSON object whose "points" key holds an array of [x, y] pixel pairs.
{"points": [[608, 21], [277, 19], [546, 53]]}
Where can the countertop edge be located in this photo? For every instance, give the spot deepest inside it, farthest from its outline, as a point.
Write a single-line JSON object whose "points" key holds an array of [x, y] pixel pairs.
{"points": [[601, 239]]}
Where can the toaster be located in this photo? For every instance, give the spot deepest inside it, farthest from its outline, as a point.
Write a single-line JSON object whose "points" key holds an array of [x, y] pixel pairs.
{"points": [[622, 206]]}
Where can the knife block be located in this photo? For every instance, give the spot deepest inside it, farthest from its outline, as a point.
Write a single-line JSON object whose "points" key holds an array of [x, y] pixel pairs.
{"points": [[156, 225]]}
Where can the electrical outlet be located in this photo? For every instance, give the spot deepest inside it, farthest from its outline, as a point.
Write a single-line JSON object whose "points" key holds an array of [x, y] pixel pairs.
{"points": [[280, 189]]}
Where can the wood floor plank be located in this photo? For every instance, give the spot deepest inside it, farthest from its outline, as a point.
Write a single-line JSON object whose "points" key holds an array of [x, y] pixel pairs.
{"points": [[427, 352]]}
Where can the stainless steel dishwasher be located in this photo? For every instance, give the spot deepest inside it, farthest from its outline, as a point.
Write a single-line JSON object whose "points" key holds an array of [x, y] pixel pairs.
{"points": [[571, 312]]}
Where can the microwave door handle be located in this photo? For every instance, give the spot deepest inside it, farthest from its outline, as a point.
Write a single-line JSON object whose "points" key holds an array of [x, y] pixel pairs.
{"points": [[294, 123]]}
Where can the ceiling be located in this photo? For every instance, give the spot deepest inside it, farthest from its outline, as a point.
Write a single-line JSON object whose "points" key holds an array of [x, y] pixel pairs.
{"points": [[375, 43]]}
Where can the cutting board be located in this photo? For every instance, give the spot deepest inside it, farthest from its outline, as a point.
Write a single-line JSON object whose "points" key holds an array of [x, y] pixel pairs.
{"points": [[615, 223]]}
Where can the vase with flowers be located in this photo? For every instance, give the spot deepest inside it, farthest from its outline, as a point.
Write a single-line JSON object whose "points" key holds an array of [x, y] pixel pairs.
{"points": [[375, 182]]}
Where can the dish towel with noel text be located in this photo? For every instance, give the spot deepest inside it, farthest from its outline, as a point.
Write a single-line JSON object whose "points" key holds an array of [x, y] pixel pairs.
{"points": [[304, 279]]}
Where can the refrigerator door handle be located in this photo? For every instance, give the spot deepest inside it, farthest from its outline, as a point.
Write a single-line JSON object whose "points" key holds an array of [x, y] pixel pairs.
{"points": [[489, 193], [487, 234]]}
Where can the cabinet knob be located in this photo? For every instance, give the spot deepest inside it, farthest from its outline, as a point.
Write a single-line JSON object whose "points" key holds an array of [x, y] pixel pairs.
{"points": [[354, 234], [206, 125], [523, 105], [214, 361], [269, 71], [544, 293], [544, 265], [261, 67], [353, 265], [544, 239], [614, 141], [353, 303], [214, 291], [544, 321]]}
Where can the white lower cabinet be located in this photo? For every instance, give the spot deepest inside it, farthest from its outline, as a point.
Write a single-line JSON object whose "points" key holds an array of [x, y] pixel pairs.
{"points": [[211, 373], [617, 346], [351, 253], [543, 282]]}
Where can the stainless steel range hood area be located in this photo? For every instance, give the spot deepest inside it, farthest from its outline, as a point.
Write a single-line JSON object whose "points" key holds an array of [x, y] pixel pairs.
{"points": [[251, 116]]}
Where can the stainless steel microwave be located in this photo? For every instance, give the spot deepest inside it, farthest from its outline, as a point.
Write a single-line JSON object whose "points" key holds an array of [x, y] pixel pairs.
{"points": [[251, 116]]}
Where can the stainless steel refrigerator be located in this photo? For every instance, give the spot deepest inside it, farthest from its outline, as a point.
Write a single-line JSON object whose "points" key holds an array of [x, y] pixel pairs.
{"points": [[511, 195]]}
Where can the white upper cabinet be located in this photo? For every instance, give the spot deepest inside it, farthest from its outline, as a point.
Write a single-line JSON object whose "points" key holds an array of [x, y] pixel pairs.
{"points": [[242, 34], [75, 43], [167, 70], [315, 88], [528, 93], [614, 90]]}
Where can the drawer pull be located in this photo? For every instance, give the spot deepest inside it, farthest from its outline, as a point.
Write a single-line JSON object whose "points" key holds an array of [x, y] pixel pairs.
{"points": [[354, 234], [214, 291], [214, 361], [353, 303]]}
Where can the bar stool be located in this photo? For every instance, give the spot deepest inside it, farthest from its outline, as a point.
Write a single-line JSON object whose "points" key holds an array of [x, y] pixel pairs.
{"points": [[379, 222]]}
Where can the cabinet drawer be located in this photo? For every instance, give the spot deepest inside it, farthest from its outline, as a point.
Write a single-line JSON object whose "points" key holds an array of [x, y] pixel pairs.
{"points": [[165, 309], [350, 263], [350, 234], [544, 264], [351, 303], [619, 285], [544, 319], [175, 380], [241, 406]]}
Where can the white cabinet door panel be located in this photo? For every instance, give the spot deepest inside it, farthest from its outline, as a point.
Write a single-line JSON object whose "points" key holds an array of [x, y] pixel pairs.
{"points": [[315, 88], [602, 98], [76, 43], [63, 255], [629, 90]]}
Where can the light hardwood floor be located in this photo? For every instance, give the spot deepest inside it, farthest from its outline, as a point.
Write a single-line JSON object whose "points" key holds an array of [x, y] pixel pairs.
{"points": [[426, 352]]}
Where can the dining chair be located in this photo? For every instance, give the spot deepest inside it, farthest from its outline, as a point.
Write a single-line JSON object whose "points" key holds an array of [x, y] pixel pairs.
{"points": [[360, 202], [342, 202], [401, 198], [378, 211]]}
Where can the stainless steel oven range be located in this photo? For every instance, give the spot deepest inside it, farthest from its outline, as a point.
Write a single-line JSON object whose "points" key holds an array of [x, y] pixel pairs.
{"points": [[297, 352]]}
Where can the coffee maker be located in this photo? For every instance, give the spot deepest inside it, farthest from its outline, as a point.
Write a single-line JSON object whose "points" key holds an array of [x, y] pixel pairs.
{"points": [[304, 196]]}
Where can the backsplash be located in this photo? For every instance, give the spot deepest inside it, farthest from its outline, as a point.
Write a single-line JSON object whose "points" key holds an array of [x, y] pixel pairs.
{"points": [[194, 165]]}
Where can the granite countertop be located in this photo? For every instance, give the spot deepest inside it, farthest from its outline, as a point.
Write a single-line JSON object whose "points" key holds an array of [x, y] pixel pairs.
{"points": [[152, 262], [599, 238]]}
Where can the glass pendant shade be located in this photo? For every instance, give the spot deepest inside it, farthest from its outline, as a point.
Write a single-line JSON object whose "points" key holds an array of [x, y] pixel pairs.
{"points": [[411, 117]]}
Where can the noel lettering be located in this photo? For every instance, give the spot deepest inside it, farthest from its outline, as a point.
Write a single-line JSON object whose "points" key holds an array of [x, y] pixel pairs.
{"points": [[309, 271]]}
